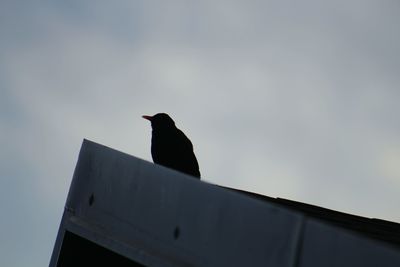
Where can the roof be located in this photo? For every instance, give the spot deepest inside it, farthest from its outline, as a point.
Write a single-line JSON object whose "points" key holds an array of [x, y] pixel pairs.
{"points": [[136, 213], [374, 228]]}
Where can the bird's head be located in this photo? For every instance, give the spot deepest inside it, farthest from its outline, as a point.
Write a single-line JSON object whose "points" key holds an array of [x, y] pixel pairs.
{"points": [[160, 121]]}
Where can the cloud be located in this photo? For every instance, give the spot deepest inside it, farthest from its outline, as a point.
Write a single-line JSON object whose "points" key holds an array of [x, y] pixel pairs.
{"points": [[295, 101]]}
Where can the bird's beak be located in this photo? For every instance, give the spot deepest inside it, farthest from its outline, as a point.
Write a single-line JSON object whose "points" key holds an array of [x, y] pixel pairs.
{"points": [[147, 117]]}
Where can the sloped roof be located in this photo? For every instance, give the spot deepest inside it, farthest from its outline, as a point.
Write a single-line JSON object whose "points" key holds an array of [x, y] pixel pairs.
{"points": [[378, 229], [136, 213]]}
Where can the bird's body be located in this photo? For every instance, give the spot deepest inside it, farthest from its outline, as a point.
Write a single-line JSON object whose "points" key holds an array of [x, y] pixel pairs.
{"points": [[170, 147]]}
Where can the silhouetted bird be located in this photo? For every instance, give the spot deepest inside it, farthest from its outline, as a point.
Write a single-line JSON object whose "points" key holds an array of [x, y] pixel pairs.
{"points": [[170, 147]]}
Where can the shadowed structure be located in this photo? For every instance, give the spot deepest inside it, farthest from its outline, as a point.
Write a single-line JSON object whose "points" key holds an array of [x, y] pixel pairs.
{"points": [[170, 147], [124, 211]]}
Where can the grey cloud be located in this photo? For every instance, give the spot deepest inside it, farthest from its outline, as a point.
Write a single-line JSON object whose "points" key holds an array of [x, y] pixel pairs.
{"points": [[287, 99]]}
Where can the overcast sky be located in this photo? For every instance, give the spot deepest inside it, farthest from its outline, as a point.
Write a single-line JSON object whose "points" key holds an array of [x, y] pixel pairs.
{"points": [[293, 99]]}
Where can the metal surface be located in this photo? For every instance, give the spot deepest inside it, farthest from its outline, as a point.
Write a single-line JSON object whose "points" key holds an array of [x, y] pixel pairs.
{"points": [[159, 217]]}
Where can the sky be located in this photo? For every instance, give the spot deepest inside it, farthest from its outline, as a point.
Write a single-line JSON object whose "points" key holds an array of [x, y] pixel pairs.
{"points": [[291, 99]]}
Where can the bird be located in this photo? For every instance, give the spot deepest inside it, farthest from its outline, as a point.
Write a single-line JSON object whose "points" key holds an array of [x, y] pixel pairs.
{"points": [[170, 147]]}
